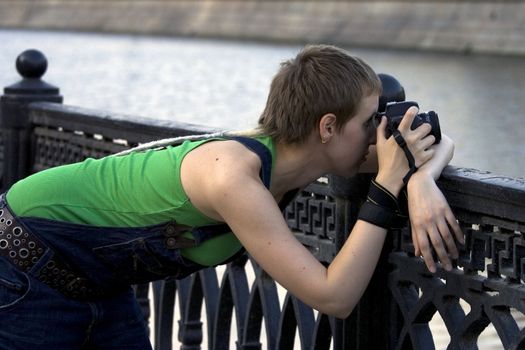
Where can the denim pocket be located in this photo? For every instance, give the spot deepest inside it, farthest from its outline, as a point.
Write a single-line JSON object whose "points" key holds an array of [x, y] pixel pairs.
{"points": [[14, 286], [142, 259]]}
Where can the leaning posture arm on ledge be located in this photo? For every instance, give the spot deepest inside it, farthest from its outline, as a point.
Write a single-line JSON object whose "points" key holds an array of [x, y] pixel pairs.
{"points": [[235, 195], [430, 215], [432, 222]]}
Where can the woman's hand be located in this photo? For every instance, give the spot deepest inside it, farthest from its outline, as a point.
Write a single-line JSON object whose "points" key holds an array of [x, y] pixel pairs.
{"points": [[432, 220], [392, 162]]}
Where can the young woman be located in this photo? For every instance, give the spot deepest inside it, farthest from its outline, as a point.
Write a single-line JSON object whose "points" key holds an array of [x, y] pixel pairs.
{"points": [[74, 238]]}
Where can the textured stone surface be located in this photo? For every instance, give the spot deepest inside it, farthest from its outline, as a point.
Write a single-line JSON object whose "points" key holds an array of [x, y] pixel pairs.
{"points": [[465, 26]]}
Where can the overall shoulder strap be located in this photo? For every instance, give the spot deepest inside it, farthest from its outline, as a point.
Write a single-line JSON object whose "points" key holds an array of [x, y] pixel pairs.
{"points": [[263, 152]]}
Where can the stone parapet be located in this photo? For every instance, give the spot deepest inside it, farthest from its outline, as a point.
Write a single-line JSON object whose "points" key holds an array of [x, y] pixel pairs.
{"points": [[459, 26]]}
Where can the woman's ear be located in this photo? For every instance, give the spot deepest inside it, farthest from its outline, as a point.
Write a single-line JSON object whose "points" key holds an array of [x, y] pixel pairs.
{"points": [[327, 127]]}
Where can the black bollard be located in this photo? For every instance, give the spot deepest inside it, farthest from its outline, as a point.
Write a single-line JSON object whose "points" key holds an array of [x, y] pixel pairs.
{"points": [[14, 114]]}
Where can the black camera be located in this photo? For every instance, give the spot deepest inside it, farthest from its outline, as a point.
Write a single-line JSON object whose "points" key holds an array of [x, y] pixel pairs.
{"points": [[392, 104], [395, 111]]}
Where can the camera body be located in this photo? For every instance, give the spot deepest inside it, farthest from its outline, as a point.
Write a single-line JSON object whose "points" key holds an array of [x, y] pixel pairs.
{"points": [[394, 112], [392, 104]]}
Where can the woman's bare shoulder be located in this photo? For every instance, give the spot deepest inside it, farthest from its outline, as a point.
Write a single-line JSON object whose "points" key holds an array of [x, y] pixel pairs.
{"points": [[216, 167]]}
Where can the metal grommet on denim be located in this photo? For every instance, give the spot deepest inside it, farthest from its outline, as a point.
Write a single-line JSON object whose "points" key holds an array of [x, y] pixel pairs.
{"points": [[17, 244], [25, 250]]}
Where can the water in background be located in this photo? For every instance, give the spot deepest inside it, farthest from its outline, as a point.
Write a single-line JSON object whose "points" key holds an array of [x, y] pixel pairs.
{"points": [[479, 99]]}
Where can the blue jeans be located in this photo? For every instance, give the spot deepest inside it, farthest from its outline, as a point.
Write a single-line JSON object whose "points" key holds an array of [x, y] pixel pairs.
{"points": [[34, 316]]}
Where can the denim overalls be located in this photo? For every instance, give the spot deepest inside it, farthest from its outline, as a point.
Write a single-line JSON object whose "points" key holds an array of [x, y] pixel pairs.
{"points": [[76, 292]]}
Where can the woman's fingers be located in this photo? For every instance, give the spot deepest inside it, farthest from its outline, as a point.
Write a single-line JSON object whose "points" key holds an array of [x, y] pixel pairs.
{"points": [[408, 119], [427, 141], [448, 239], [441, 239], [426, 251], [441, 252], [417, 252], [453, 223]]}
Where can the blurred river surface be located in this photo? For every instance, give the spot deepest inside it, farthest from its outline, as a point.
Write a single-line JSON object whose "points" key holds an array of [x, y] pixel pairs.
{"points": [[480, 99]]}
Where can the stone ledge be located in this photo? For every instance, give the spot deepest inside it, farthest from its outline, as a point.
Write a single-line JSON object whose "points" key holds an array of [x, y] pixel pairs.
{"points": [[460, 26]]}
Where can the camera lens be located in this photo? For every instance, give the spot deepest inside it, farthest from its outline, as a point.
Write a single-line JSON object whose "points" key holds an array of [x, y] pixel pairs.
{"points": [[431, 118]]}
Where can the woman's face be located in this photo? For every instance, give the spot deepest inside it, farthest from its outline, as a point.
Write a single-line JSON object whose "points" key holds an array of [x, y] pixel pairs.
{"points": [[350, 145]]}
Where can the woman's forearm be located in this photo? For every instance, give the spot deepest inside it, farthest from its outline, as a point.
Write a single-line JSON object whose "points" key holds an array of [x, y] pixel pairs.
{"points": [[433, 225], [443, 153], [351, 270]]}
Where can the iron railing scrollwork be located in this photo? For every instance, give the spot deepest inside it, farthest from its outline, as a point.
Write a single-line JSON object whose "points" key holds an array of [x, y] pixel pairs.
{"points": [[486, 288]]}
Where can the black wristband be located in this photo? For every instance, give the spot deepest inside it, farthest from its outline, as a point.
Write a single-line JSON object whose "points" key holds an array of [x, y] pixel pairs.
{"points": [[379, 195], [380, 216]]}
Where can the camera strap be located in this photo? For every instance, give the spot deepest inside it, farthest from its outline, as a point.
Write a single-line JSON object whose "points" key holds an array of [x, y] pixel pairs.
{"points": [[411, 162]]}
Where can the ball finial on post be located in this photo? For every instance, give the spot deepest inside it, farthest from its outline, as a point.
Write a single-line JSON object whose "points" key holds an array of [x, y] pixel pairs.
{"points": [[31, 64], [16, 105], [393, 91]]}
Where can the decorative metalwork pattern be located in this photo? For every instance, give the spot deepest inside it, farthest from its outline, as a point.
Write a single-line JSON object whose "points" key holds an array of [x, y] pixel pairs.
{"points": [[312, 218], [65, 134], [53, 147], [486, 287]]}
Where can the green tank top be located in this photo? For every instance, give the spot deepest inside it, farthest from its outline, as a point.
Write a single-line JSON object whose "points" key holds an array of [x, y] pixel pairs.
{"points": [[135, 190]]}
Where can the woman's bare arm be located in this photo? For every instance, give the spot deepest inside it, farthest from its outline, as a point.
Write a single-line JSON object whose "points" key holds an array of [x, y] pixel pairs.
{"points": [[432, 221], [223, 182], [251, 212]]}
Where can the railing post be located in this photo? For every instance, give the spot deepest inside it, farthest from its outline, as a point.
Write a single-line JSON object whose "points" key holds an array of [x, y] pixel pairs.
{"points": [[14, 114], [368, 325]]}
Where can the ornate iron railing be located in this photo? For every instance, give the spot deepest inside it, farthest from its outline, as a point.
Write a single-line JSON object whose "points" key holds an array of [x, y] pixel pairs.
{"points": [[235, 305]]}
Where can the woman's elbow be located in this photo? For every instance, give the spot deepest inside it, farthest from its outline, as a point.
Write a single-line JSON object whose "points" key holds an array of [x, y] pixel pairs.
{"points": [[343, 314], [340, 310]]}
